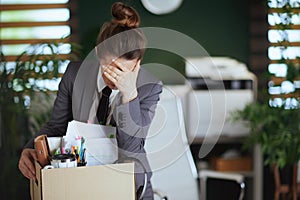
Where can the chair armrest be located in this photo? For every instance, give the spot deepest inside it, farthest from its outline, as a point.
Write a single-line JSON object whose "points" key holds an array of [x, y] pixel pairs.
{"points": [[160, 194], [204, 174]]}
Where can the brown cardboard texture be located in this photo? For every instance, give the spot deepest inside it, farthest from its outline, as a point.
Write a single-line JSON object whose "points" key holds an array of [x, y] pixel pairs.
{"points": [[115, 181]]}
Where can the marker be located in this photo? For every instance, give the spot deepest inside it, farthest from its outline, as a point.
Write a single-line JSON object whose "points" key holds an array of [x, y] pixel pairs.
{"points": [[84, 155], [81, 147]]}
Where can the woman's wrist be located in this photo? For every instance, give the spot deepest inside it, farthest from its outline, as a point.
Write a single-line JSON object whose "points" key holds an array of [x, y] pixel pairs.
{"points": [[127, 97]]}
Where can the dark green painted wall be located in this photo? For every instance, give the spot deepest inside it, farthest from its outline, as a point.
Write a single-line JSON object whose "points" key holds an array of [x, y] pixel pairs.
{"points": [[220, 26]]}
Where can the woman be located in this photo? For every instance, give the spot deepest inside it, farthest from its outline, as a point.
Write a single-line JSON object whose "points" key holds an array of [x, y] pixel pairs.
{"points": [[120, 48]]}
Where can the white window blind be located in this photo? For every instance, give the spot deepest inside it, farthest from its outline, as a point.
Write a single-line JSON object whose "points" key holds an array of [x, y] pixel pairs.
{"points": [[27, 22], [284, 53], [33, 21]]}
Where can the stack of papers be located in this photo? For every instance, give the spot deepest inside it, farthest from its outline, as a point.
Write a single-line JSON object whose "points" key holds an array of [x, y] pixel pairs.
{"points": [[99, 141]]}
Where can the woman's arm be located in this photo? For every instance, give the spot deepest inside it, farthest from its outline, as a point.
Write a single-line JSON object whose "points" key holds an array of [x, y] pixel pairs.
{"points": [[61, 114], [134, 118]]}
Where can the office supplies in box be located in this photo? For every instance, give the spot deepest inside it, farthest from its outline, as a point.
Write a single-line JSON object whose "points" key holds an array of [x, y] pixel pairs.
{"points": [[99, 180], [98, 140]]}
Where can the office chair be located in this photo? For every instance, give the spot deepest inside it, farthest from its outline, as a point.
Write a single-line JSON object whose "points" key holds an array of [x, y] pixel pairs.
{"points": [[237, 184], [174, 172]]}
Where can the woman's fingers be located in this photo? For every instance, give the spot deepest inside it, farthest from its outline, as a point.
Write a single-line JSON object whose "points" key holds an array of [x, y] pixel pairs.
{"points": [[119, 66], [110, 77], [26, 171], [26, 163], [112, 73]]}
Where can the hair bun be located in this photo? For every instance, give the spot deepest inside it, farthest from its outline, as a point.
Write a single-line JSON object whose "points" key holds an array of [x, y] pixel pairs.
{"points": [[125, 15]]}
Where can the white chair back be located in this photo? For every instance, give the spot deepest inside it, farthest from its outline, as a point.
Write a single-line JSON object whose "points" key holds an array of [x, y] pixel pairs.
{"points": [[168, 152]]}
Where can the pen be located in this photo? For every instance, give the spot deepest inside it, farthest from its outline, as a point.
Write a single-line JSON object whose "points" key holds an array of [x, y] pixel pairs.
{"points": [[81, 147], [82, 160], [84, 155], [77, 155]]}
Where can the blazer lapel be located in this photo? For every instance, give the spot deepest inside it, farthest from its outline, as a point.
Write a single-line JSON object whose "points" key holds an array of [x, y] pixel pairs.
{"points": [[84, 89]]}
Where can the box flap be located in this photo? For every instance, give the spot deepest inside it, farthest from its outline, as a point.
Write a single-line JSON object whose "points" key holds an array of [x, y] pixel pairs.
{"points": [[35, 185]]}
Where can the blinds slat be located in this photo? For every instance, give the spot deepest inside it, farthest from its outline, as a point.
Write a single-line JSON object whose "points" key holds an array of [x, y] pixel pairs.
{"points": [[284, 96], [30, 24], [46, 90], [277, 80], [280, 10], [38, 76], [295, 61], [25, 58], [33, 41], [291, 27], [4, 7], [292, 44]]}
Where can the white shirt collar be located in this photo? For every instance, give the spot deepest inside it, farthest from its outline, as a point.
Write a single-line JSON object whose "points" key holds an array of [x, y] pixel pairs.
{"points": [[100, 82]]}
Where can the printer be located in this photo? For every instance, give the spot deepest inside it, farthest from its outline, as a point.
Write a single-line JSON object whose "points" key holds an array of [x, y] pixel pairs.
{"points": [[220, 85]]}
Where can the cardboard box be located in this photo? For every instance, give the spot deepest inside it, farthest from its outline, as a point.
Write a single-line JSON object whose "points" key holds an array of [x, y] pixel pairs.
{"points": [[236, 164], [115, 181]]}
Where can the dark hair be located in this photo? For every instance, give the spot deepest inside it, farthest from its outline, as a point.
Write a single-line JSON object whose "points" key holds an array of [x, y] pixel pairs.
{"points": [[121, 36]]}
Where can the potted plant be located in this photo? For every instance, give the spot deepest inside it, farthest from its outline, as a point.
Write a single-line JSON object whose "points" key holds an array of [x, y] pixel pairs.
{"points": [[276, 129], [21, 82]]}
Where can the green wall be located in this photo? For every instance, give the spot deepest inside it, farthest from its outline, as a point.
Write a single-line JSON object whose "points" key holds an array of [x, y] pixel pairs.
{"points": [[221, 27]]}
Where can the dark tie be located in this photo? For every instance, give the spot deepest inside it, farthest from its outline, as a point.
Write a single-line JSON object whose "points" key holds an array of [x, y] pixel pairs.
{"points": [[102, 111]]}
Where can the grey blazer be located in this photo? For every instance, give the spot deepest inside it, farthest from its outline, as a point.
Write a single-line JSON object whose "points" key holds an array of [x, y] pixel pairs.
{"points": [[132, 120]]}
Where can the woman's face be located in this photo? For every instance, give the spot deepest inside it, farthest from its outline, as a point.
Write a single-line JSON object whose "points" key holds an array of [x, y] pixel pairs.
{"points": [[109, 61]]}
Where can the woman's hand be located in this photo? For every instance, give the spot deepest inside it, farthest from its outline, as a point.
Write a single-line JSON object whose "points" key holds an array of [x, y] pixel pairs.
{"points": [[124, 79], [26, 163]]}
